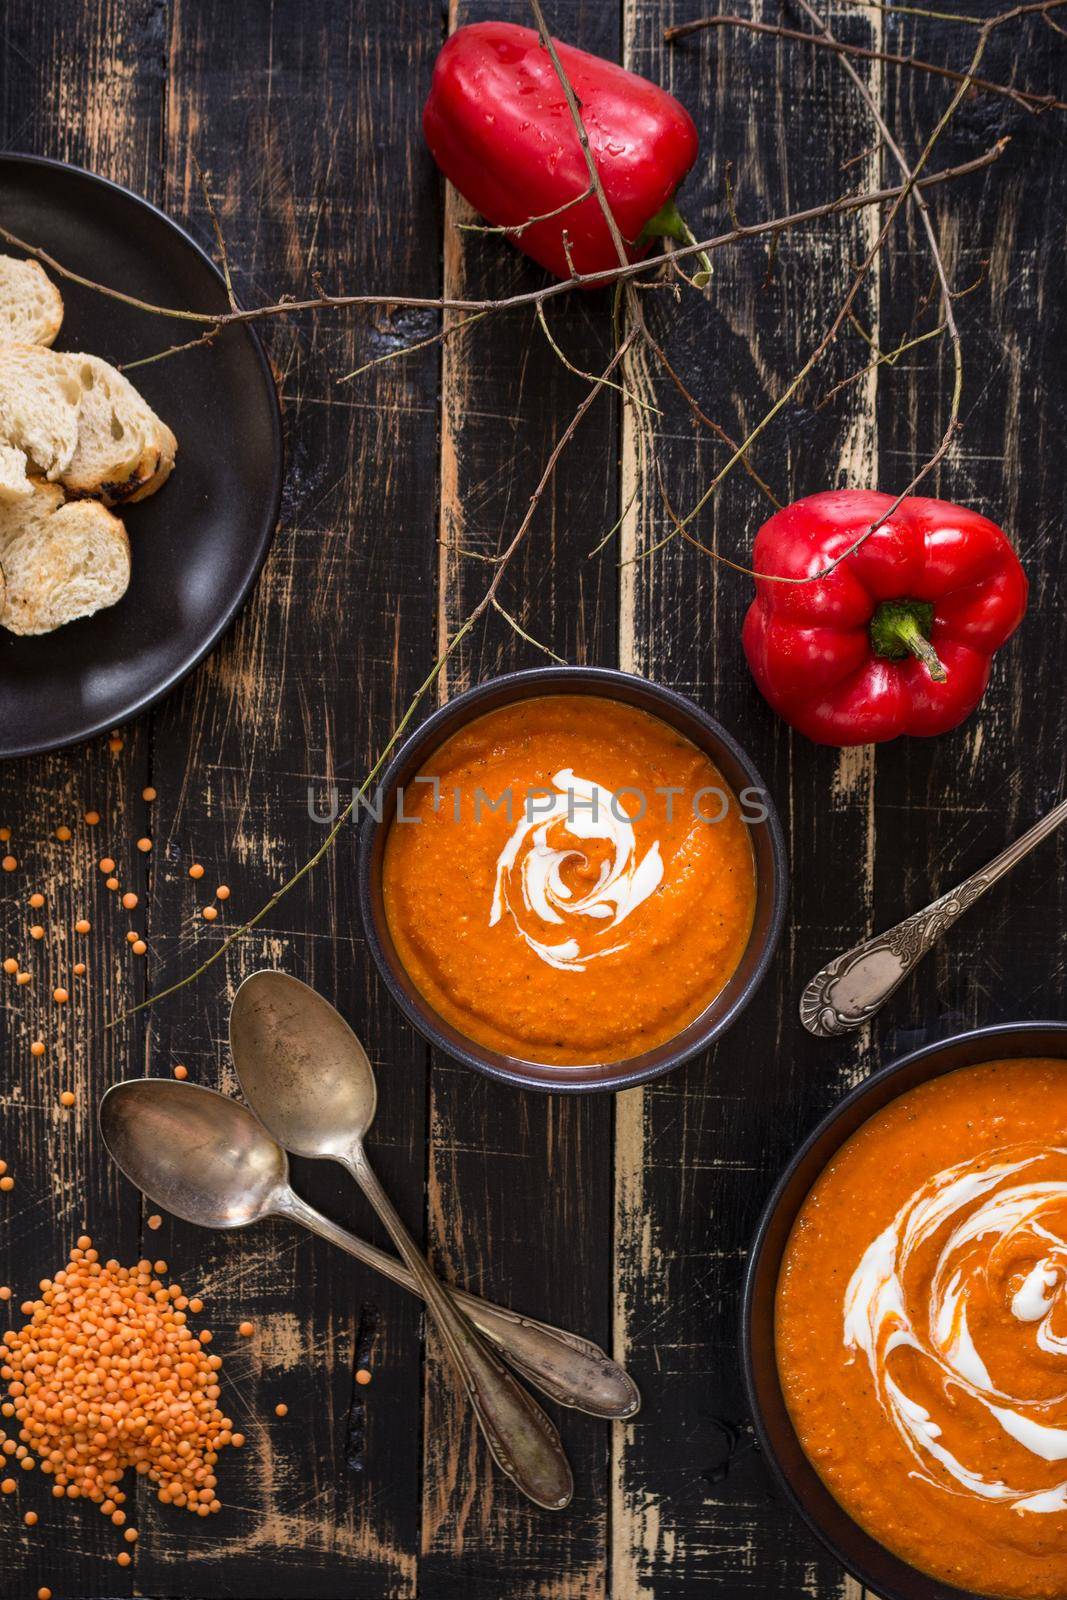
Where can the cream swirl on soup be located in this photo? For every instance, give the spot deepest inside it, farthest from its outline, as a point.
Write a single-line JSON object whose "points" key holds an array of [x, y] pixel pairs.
{"points": [[979, 1248], [530, 882]]}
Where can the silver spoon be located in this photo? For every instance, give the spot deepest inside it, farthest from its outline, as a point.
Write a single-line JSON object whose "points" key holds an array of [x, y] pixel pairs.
{"points": [[309, 1079], [208, 1160], [852, 987]]}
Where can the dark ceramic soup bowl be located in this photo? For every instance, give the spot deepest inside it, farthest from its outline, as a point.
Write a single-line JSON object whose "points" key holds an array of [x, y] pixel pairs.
{"points": [[767, 847], [886, 1574]]}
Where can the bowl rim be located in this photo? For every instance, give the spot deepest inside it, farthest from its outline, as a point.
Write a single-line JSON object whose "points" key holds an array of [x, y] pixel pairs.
{"points": [[530, 683], [933, 1588]]}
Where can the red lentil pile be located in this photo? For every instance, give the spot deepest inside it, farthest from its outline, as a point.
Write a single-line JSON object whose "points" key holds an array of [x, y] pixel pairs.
{"points": [[106, 1375]]}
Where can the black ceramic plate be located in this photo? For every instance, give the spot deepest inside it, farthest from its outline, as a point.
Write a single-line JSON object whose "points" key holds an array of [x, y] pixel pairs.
{"points": [[198, 544]]}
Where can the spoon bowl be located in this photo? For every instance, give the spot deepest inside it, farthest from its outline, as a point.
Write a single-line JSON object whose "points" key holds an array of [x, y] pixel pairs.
{"points": [[301, 1066], [200, 1155], [309, 1078]]}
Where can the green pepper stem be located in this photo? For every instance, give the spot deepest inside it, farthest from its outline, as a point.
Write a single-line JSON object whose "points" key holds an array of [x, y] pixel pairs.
{"points": [[902, 627], [668, 223]]}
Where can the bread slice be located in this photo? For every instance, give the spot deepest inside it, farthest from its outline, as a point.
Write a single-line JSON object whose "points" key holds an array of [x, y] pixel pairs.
{"points": [[77, 420], [40, 401], [31, 307], [14, 484], [61, 560], [123, 450]]}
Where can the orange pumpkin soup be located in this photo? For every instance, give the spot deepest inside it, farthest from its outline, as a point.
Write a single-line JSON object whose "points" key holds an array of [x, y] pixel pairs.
{"points": [[570, 880], [921, 1325]]}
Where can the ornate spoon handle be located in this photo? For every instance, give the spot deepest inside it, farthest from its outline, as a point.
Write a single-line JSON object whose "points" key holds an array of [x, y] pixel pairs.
{"points": [[565, 1366], [522, 1439], [853, 986]]}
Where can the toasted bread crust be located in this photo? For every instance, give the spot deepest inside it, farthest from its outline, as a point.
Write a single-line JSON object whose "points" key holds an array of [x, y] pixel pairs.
{"points": [[31, 307], [61, 560]]}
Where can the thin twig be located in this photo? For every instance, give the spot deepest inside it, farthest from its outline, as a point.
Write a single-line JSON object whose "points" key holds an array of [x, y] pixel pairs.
{"points": [[583, 137], [1030, 102], [918, 201], [580, 372], [916, 11], [289, 306], [488, 599], [883, 358], [208, 336], [440, 337], [538, 644], [702, 417], [219, 240], [517, 229], [827, 340], [948, 312]]}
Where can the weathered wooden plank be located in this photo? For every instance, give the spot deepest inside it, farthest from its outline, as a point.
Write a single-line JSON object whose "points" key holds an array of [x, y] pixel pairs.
{"points": [[306, 689], [692, 1506], [952, 803], [311, 145], [72, 88], [520, 1184]]}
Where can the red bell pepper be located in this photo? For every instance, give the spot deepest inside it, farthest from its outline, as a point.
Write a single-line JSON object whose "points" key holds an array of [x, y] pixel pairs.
{"points": [[901, 636], [498, 126]]}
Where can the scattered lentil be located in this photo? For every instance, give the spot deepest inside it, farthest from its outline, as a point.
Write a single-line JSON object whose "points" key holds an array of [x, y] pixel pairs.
{"points": [[209, 913], [92, 818], [5, 834], [9, 863], [7, 1183], [363, 1375], [5, 1292], [139, 947], [281, 1409], [82, 925], [129, 900], [196, 870], [222, 892], [37, 900], [30, 1519], [115, 743], [131, 937], [155, 1220], [246, 1330], [37, 932], [148, 794], [144, 845], [37, 1047], [8, 1486], [111, 883], [69, 1371], [123, 1558], [63, 833], [60, 996], [180, 1071], [67, 1098], [11, 965], [22, 977], [106, 864], [79, 969]]}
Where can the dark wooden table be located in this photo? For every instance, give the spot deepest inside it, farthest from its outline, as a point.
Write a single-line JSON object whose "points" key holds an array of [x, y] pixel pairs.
{"points": [[627, 1218]]}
